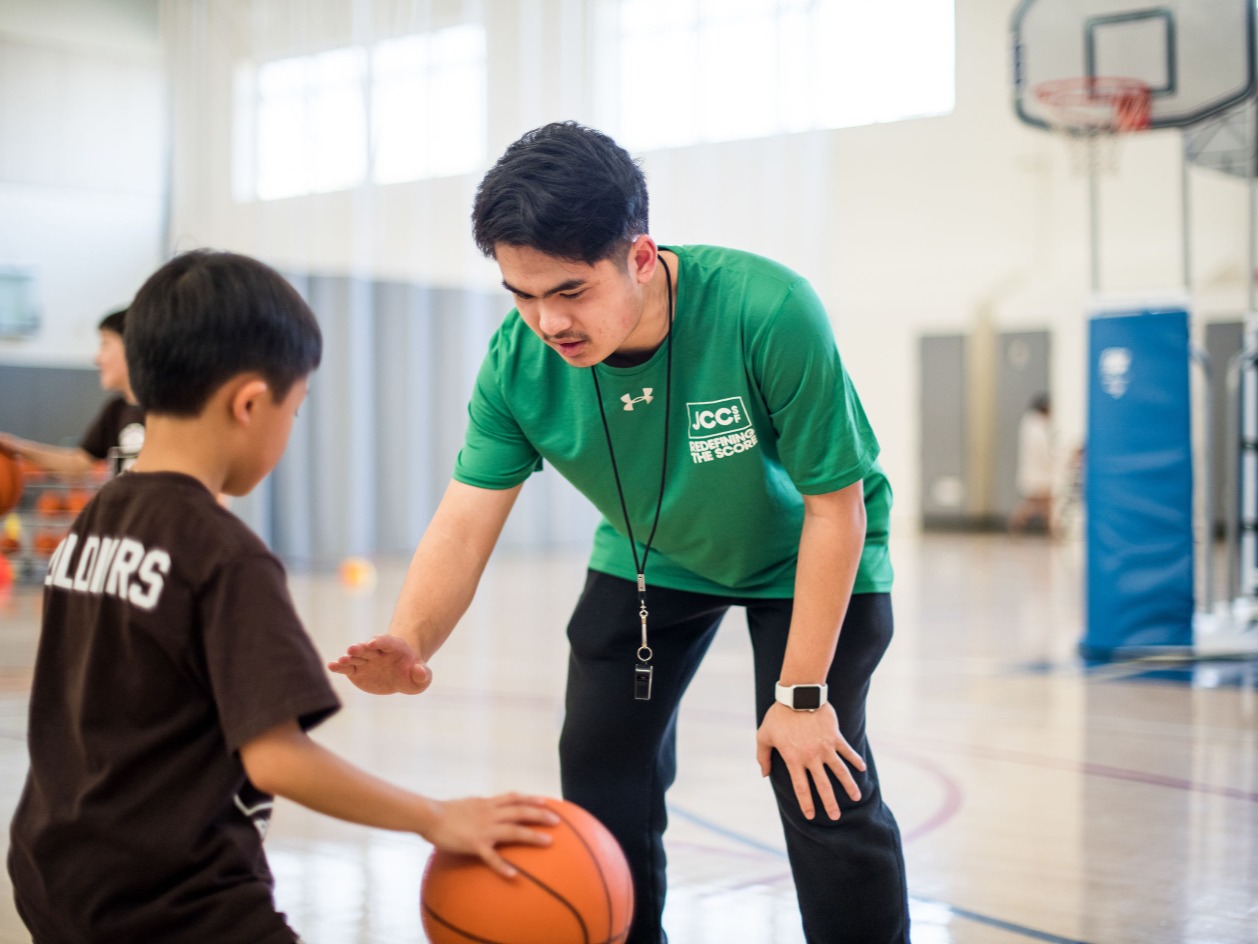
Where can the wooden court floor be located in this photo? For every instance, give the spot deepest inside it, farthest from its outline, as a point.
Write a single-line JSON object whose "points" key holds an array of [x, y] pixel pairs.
{"points": [[1041, 800]]}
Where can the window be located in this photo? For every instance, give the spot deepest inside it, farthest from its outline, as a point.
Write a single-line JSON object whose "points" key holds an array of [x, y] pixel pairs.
{"points": [[404, 109], [19, 306], [428, 105], [734, 69], [311, 124]]}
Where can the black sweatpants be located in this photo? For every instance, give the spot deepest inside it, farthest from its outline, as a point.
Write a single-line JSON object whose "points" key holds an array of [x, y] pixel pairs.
{"points": [[618, 755]]}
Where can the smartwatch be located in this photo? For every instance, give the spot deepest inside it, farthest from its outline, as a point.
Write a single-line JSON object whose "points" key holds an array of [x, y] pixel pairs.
{"points": [[800, 697]]}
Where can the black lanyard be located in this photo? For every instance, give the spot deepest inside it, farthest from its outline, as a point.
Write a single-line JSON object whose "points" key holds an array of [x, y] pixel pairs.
{"points": [[642, 671]]}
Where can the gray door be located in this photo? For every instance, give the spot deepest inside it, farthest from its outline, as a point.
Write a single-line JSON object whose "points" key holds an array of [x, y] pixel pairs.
{"points": [[944, 482], [1022, 372], [1223, 341]]}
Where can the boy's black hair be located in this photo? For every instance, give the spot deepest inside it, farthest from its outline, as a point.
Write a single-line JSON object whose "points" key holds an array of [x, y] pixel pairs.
{"points": [[115, 321], [206, 316], [565, 190]]}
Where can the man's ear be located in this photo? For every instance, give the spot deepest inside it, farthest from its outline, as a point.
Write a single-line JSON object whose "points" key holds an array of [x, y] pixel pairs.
{"points": [[643, 256], [245, 398]]}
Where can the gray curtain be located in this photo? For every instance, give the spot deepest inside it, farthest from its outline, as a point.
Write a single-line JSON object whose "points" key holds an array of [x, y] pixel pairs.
{"points": [[374, 445]]}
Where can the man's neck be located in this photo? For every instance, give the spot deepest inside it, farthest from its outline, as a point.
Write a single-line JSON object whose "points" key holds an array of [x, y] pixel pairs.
{"points": [[660, 306]]}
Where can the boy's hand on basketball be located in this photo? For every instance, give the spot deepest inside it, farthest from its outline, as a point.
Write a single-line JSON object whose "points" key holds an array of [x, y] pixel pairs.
{"points": [[384, 665], [476, 825], [810, 743]]}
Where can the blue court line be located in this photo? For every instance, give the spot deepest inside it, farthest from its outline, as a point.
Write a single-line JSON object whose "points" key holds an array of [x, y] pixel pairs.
{"points": [[727, 833], [1208, 672], [965, 913], [1009, 926]]}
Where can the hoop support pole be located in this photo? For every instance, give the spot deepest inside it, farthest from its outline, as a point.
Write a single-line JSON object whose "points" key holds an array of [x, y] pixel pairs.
{"points": [[1094, 216], [1185, 216]]}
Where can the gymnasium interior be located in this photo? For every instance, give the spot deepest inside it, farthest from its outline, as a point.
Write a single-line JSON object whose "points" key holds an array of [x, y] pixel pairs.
{"points": [[1066, 723]]}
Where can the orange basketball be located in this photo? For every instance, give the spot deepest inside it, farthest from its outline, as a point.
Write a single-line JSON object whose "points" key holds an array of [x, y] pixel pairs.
{"points": [[49, 504], [577, 890], [46, 542], [77, 499], [10, 483]]}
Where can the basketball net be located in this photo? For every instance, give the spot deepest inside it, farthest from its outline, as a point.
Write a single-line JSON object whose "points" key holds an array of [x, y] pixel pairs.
{"points": [[1093, 113]]}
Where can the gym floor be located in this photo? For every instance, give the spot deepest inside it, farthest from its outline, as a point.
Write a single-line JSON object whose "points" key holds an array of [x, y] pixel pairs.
{"points": [[1040, 799]]}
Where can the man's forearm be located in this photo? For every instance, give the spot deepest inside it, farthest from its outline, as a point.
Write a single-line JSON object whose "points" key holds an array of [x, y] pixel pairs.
{"points": [[447, 566], [439, 586], [830, 549]]}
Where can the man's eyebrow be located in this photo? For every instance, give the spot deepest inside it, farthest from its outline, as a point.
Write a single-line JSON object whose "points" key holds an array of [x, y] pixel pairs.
{"points": [[567, 286]]}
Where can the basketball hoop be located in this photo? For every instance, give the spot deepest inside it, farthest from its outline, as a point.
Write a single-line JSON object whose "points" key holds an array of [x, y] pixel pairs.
{"points": [[1092, 112]]}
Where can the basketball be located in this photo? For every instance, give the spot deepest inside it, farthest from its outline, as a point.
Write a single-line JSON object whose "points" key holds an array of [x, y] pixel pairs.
{"points": [[577, 890], [10, 483], [49, 504], [46, 542], [358, 573], [76, 500]]}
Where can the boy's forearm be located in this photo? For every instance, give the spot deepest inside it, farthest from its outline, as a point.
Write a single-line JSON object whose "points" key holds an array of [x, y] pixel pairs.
{"points": [[285, 762], [71, 461]]}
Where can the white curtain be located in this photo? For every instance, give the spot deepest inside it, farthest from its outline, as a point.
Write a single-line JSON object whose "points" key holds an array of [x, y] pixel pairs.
{"points": [[405, 301]]}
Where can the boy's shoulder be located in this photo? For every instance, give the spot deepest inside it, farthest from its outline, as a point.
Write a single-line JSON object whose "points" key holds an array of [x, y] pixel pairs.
{"points": [[146, 532]]}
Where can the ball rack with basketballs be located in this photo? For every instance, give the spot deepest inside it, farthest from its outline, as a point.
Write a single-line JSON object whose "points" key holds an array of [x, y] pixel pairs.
{"points": [[11, 485], [36, 510]]}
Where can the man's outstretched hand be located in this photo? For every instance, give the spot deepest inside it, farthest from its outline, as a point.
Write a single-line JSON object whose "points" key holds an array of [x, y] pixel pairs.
{"points": [[384, 665]]}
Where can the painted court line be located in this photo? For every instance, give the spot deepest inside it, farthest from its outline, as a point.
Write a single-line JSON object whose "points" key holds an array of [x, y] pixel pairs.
{"points": [[1032, 934], [1097, 770]]}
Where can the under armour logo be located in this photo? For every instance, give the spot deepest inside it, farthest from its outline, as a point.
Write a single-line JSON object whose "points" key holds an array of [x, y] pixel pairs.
{"points": [[645, 398]]}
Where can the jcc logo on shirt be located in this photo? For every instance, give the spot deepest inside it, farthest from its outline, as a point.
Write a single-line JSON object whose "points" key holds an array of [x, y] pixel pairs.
{"points": [[717, 416], [719, 429]]}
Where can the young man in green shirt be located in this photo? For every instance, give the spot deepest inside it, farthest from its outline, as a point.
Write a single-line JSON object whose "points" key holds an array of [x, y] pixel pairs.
{"points": [[695, 395]]}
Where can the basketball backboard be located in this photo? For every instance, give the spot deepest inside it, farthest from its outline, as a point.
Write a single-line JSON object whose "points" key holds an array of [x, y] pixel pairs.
{"points": [[1195, 56]]}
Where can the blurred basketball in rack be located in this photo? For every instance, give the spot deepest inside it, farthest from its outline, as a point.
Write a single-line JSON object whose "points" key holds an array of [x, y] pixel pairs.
{"points": [[6, 577], [76, 500], [10, 483], [49, 504], [11, 534], [46, 542]]}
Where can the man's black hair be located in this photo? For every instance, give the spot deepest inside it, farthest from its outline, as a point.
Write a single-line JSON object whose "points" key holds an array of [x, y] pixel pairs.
{"points": [[205, 317], [565, 190]]}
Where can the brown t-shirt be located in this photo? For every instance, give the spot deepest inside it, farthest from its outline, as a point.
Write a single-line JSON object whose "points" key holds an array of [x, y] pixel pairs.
{"points": [[116, 434], [169, 640]]}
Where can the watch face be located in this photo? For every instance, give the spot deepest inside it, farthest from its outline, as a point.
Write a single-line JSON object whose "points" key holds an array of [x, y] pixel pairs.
{"points": [[807, 697]]}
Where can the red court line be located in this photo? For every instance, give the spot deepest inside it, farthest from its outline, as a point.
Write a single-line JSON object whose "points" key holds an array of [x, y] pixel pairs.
{"points": [[953, 793], [887, 745], [1094, 770]]}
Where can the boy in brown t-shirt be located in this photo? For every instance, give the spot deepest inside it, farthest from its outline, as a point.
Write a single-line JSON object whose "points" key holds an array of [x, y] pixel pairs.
{"points": [[117, 432], [174, 682]]}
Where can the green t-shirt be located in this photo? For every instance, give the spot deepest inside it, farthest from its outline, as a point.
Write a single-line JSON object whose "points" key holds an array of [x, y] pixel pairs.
{"points": [[762, 412]]}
